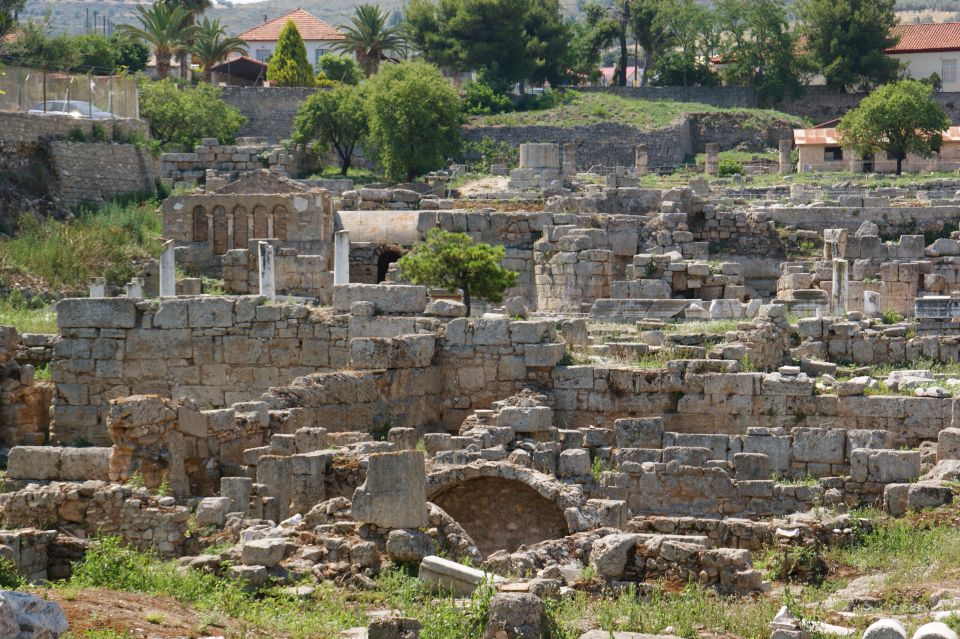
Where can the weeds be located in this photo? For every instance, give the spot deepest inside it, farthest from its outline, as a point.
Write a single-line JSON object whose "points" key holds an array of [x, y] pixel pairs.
{"points": [[27, 318]]}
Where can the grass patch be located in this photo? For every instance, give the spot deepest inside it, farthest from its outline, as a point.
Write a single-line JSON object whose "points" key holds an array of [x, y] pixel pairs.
{"points": [[579, 109], [110, 242], [27, 319]]}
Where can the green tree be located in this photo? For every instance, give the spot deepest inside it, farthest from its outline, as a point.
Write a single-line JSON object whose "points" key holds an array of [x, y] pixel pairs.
{"points": [[589, 37], [414, 119], [161, 27], [651, 29], [194, 8], [454, 261], [517, 40], [289, 67], [340, 68], [846, 41], [335, 118], [212, 45], [96, 53], [759, 49], [183, 116], [132, 55], [370, 39], [9, 12], [898, 118]]}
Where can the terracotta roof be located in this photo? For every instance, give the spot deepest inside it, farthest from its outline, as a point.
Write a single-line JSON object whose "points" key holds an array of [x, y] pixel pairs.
{"points": [[310, 27], [914, 38], [830, 137]]}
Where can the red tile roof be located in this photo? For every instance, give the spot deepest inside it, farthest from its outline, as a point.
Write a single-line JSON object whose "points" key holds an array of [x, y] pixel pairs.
{"points": [[829, 137], [310, 27], [916, 38]]}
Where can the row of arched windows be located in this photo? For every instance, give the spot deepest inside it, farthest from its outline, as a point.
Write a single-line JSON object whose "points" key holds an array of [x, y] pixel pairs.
{"points": [[225, 231]]}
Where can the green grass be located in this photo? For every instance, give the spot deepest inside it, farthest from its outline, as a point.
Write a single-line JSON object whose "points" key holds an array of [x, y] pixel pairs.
{"points": [[26, 319], [578, 109], [110, 242], [359, 176]]}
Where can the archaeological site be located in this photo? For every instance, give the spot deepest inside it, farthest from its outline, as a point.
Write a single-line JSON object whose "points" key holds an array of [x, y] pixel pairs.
{"points": [[593, 390]]}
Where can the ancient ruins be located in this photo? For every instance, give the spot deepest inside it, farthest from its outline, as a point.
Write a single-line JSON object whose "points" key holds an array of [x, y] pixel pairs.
{"points": [[682, 378]]}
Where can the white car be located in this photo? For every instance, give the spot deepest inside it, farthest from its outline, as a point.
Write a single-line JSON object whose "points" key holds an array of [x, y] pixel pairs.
{"points": [[73, 108]]}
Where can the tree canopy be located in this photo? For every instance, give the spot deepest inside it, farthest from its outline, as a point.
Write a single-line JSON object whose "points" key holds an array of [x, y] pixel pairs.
{"points": [[288, 67], [368, 37], [183, 116], [517, 40], [340, 68], [898, 118], [454, 261], [162, 28], [414, 119], [846, 41], [333, 119], [212, 45]]}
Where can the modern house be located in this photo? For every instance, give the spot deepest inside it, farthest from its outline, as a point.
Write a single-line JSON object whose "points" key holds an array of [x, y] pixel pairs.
{"points": [[929, 48], [318, 36], [820, 150]]}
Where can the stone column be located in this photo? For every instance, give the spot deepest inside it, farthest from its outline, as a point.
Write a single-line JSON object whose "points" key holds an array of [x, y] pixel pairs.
{"points": [[786, 161], [270, 225], [341, 257], [229, 231], [210, 230], [569, 162], [854, 164], [267, 276], [840, 288], [135, 288], [711, 165], [641, 159], [168, 270], [98, 287]]}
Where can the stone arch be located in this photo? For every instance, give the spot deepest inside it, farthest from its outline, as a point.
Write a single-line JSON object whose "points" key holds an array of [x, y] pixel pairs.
{"points": [[503, 506], [280, 222], [199, 224], [240, 228], [387, 254], [260, 227], [219, 231]]}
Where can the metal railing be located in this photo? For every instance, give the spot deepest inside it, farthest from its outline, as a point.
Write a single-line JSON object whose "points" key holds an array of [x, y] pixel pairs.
{"points": [[24, 89]]}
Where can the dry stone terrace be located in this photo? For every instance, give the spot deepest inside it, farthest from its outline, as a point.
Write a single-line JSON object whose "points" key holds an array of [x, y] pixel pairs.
{"points": [[682, 380]]}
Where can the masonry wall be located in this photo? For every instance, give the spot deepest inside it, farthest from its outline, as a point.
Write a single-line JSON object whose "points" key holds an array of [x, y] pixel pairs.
{"points": [[24, 128], [269, 110], [92, 173]]}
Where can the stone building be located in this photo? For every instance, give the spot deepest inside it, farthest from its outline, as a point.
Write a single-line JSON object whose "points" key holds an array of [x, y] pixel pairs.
{"points": [[259, 205]]}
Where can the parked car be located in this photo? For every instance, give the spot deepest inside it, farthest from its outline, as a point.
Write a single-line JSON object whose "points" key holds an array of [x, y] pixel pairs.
{"points": [[73, 108]]}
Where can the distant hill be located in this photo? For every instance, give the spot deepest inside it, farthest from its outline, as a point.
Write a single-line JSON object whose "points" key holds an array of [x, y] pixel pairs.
{"points": [[74, 15]]}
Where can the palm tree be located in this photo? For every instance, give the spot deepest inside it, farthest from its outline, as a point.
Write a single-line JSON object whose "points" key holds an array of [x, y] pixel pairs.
{"points": [[369, 38], [161, 27], [212, 44], [194, 8]]}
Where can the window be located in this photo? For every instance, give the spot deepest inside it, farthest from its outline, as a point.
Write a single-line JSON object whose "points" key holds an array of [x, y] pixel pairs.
{"points": [[948, 73], [319, 52], [263, 54], [832, 154]]}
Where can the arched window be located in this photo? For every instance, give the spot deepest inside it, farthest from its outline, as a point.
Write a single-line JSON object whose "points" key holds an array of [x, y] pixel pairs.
{"points": [[240, 227], [199, 224]]}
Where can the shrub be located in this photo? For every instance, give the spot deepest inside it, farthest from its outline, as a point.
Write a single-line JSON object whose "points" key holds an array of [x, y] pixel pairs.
{"points": [[479, 98], [289, 66], [336, 118], [183, 116], [729, 166], [340, 68], [891, 316]]}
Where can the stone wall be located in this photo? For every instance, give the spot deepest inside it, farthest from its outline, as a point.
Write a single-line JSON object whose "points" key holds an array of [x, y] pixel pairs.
{"points": [[724, 97], [27, 129], [24, 402], [269, 110], [93, 172]]}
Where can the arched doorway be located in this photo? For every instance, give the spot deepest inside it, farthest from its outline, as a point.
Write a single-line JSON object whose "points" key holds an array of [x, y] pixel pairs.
{"points": [[386, 255]]}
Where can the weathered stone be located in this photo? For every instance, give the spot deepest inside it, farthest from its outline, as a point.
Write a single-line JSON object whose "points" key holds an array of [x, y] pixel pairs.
{"points": [[394, 493]]}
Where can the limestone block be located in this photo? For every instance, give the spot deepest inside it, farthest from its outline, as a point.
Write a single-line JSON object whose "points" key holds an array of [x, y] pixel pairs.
{"points": [[30, 616], [238, 490], [948, 444], [884, 466], [394, 493], [251, 576], [212, 511], [639, 432], [112, 312], [409, 546], [520, 615], [262, 552], [403, 438], [449, 577], [885, 629], [210, 312], [446, 308], [687, 455], [943, 247], [573, 463], [610, 554], [818, 445], [927, 494], [392, 628], [525, 419], [751, 466], [387, 298], [34, 462], [310, 439], [544, 355], [935, 630], [80, 464]]}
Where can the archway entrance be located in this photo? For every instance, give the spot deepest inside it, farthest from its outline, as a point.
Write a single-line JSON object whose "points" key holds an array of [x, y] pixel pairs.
{"points": [[386, 257]]}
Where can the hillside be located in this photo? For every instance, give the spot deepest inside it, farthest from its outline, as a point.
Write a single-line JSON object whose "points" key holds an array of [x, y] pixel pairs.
{"points": [[71, 15]]}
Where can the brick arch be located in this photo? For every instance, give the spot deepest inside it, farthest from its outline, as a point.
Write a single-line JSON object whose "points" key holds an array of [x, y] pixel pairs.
{"points": [[260, 222], [240, 227], [199, 224], [280, 222], [503, 506], [219, 231]]}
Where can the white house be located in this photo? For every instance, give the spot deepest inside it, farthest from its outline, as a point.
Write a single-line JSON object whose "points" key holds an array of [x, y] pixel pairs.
{"points": [[929, 48], [318, 36]]}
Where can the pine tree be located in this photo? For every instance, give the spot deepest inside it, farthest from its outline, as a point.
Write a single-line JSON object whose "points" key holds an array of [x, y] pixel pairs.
{"points": [[289, 67]]}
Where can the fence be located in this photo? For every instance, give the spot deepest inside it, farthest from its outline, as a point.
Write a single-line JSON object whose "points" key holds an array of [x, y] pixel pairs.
{"points": [[22, 89]]}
